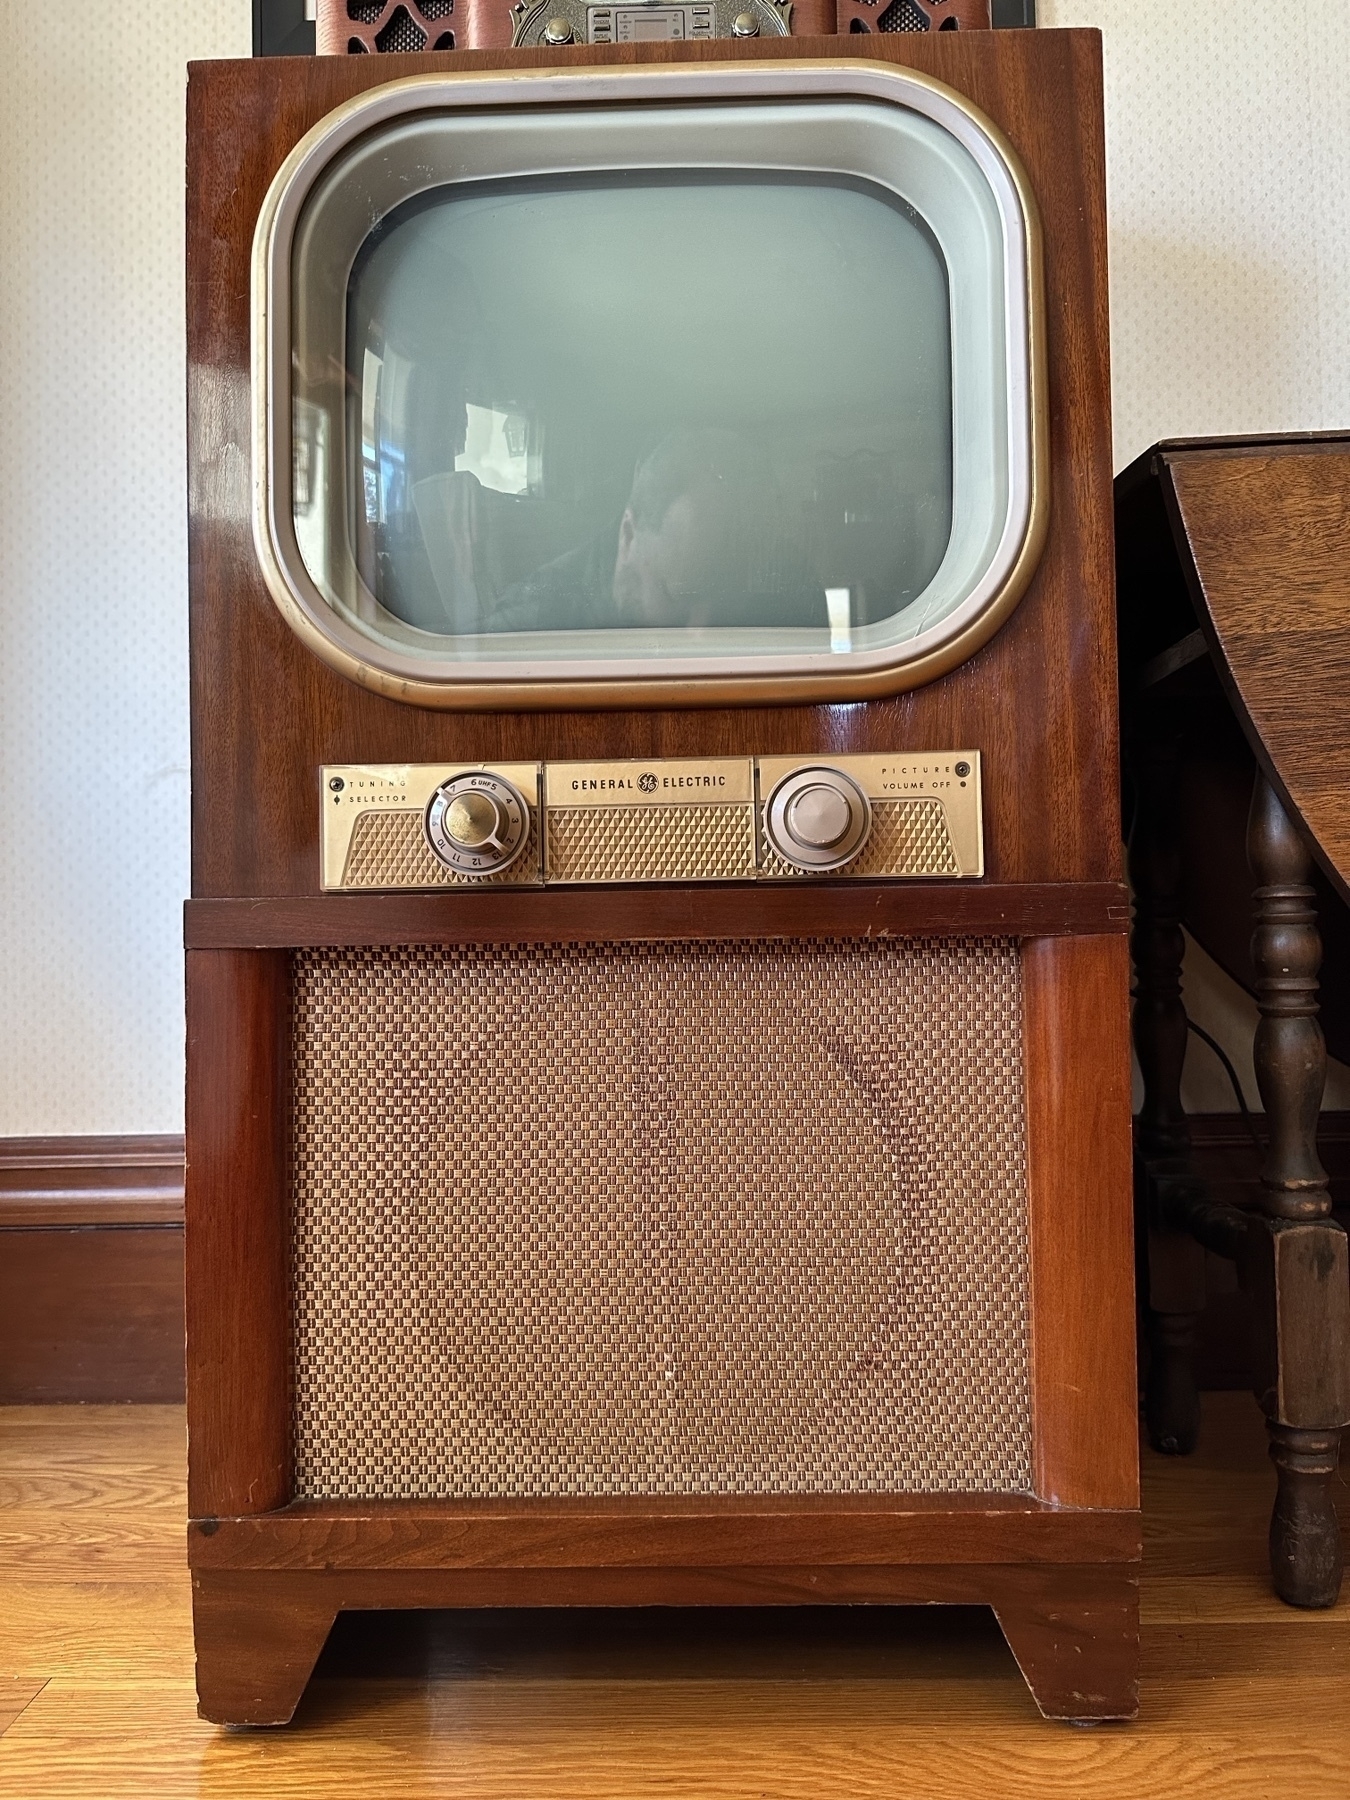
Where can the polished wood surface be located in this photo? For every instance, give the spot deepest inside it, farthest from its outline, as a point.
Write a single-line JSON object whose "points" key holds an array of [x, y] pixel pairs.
{"points": [[1268, 532], [1288, 1051], [1295, 1263], [1204, 780], [1233, 611], [91, 1269], [666, 1534], [1074, 1630], [238, 1302], [96, 1688], [91, 1314], [80, 1181], [1039, 700], [652, 914], [1081, 1211], [649, 1552]]}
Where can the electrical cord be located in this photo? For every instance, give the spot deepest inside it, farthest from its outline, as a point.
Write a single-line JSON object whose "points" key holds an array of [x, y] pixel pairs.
{"points": [[1231, 1072], [1222, 1055]]}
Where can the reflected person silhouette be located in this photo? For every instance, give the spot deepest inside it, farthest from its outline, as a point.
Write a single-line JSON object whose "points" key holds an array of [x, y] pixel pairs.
{"points": [[703, 541]]}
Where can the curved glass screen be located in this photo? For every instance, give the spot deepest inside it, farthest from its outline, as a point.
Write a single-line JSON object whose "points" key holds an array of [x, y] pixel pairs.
{"points": [[649, 407], [591, 383]]}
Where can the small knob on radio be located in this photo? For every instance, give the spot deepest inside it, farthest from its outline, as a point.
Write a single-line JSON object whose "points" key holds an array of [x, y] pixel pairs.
{"points": [[558, 30], [477, 823], [817, 819]]}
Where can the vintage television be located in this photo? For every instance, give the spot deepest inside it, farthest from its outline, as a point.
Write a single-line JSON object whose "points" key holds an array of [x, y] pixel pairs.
{"points": [[658, 1114]]}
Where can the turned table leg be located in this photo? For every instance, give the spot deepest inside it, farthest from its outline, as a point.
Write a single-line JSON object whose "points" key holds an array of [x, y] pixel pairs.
{"points": [[1173, 1271], [1296, 1260]]}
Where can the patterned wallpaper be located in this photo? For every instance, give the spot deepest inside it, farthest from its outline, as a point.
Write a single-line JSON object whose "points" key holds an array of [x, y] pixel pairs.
{"points": [[1228, 185], [1229, 194], [1230, 235], [93, 564]]}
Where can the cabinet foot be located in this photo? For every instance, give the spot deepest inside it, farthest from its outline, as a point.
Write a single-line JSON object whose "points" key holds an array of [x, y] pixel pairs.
{"points": [[259, 1636]]}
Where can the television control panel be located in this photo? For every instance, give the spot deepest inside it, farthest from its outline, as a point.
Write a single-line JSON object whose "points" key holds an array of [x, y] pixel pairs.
{"points": [[769, 818]]}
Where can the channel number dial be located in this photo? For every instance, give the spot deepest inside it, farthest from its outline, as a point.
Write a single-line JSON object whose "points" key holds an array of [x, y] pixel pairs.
{"points": [[478, 823], [817, 819]]}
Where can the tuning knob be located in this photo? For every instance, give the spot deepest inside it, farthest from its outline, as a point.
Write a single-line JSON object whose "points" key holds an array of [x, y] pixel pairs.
{"points": [[478, 823], [817, 819]]}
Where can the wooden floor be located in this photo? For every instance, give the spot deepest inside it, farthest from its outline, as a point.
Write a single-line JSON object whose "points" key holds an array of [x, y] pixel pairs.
{"points": [[1241, 1697]]}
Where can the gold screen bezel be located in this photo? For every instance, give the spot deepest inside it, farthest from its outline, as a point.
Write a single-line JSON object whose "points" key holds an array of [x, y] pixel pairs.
{"points": [[503, 687]]}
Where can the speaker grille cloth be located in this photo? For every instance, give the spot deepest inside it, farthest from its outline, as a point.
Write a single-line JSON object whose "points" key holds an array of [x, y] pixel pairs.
{"points": [[731, 1218]]}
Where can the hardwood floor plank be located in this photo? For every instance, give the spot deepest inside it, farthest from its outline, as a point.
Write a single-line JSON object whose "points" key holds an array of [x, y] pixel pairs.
{"points": [[817, 1705], [16, 1692], [87, 1544], [507, 1740], [97, 1629], [93, 1436]]}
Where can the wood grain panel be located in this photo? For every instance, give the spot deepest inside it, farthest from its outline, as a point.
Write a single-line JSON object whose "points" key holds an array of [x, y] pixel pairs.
{"points": [[1268, 530], [91, 1315], [238, 1309], [1079, 1176], [1039, 700], [91, 1269], [657, 914], [656, 1534], [104, 1180], [1074, 1631]]}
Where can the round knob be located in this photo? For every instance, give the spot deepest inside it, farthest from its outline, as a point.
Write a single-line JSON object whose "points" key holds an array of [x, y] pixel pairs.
{"points": [[817, 819], [472, 819], [558, 30], [818, 816], [745, 24], [477, 823]]}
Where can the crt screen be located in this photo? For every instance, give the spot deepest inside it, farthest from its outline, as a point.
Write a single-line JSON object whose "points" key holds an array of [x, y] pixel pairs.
{"points": [[674, 402]]}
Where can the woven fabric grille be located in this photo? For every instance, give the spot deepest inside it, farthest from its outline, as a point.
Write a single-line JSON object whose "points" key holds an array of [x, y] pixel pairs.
{"points": [[651, 843], [723, 1218]]}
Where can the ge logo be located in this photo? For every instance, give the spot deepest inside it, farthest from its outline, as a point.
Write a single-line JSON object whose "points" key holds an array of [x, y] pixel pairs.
{"points": [[647, 783]]}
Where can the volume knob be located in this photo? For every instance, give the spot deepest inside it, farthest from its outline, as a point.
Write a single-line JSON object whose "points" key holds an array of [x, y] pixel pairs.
{"points": [[817, 819], [477, 823]]}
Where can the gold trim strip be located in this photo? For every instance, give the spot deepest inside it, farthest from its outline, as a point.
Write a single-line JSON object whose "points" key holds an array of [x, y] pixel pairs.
{"points": [[302, 607], [657, 781], [359, 795], [658, 820], [906, 841]]}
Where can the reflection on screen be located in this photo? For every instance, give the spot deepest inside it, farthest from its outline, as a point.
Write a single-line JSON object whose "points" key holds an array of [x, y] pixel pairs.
{"points": [[681, 403]]}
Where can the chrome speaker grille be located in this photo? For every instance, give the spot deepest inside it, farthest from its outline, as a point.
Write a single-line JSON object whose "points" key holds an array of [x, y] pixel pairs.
{"points": [[728, 1218]]}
